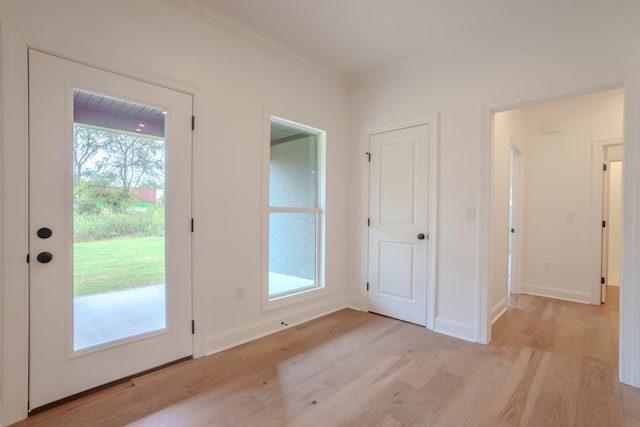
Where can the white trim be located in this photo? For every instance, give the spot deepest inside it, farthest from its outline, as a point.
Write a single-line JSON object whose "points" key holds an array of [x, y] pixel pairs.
{"points": [[234, 337], [483, 311], [431, 120], [629, 353], [269, 303], [15, 169], [453, 328], [498, 310], [353, 302], [199, 306], [15, 275], [598, 214], [404, 123], [274, 209], [434, 164], [483, 318], [558, 293]]}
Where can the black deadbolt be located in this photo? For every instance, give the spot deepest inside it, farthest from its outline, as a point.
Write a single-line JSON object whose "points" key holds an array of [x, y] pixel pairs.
{"points": [[44, 233], [420, 236], [44, 257]]}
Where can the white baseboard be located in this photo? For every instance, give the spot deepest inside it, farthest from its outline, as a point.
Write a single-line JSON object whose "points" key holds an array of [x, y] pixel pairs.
{"points": [[498, 310], [613, 274], [354, 303], [456, 329], [224, 340], [559, 293]]}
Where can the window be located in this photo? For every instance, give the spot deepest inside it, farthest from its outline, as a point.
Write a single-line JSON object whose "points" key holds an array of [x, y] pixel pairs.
{"points": [[296, 215]]}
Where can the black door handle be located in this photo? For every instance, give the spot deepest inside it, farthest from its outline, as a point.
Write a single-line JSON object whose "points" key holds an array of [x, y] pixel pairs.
{"points": [[44, 232], [44, 257], [420, 236]]}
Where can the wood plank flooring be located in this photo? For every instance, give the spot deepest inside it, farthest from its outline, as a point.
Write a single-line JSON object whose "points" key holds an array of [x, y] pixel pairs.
{"points": [[551, 363]]}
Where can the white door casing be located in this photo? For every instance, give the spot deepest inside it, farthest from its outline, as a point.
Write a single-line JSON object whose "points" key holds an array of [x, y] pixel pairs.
{"points": [[55, 370], [398, 231], [598, 158], [610, 153]]}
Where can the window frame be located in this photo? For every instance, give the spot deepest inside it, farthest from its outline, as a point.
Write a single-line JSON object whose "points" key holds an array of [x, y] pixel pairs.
{"points": [[270, 302]]}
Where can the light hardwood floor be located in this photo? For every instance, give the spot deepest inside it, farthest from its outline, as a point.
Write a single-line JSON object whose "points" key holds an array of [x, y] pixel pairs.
{"points": [[550, 363]]}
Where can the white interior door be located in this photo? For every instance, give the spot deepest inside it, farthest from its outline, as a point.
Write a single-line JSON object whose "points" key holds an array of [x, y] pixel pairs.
{"points": [[110, 236], [398, 210], [515, 222]]}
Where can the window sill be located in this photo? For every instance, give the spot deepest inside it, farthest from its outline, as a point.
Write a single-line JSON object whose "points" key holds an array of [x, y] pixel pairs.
{"points": [[275, 302]]}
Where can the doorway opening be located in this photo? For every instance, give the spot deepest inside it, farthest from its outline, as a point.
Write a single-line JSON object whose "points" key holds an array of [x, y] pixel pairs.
{"points": [[546, 213], [611, 221]]}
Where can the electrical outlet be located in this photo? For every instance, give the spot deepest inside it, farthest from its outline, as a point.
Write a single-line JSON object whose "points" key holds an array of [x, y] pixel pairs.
{"points": [[239, 294]]}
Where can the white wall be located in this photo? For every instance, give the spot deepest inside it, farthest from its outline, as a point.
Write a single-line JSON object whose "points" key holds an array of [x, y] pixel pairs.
{"points": [[614, 223], [2, 216], [508, 128], [234, 81], [568, 53], [560, 257]]}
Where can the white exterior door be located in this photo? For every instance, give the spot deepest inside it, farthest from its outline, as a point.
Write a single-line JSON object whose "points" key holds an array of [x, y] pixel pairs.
{"points": [[398, 210], [110, 235]]}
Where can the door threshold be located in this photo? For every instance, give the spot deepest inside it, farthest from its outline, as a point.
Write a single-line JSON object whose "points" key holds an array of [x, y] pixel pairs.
{"points": [[96, 389], [395, 318]]}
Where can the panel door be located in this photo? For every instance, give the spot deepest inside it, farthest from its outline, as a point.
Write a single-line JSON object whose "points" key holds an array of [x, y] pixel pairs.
{"points": [[398, 240]]}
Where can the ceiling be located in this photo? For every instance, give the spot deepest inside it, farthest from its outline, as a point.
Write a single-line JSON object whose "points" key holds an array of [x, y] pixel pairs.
{"points": [[118, 106], [353, 37]]}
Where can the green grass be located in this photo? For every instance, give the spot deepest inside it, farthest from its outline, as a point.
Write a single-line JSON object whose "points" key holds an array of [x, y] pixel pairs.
{"points": [[109, 265]]}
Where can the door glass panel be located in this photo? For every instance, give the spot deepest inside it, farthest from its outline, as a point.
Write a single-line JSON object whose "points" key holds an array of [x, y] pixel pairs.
{"points": [[118, 219]]}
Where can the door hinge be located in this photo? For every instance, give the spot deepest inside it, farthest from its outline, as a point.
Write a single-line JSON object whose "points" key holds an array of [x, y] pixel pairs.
{"points": [[604, 167], [513, 230], [604, 223], [368, 156], [367, 286], [193, 327], [368, 222], [602, 280], [193, 225], [28, 258], [193, 122]]}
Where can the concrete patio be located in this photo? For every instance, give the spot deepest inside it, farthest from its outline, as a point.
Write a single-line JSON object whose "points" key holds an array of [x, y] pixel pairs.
{"points": [[110, 316]]}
